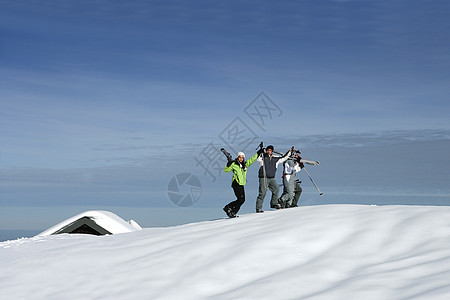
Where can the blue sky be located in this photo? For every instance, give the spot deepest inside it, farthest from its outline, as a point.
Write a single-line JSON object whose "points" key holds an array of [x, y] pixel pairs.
{"points": [[102, 102]]}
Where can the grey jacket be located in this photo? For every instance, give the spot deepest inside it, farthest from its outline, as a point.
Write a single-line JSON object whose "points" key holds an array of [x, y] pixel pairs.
{"points": [[270, 164]]}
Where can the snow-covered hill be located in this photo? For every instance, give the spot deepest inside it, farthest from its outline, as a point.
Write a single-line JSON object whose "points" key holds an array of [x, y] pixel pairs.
{"points": [[321, 252]]}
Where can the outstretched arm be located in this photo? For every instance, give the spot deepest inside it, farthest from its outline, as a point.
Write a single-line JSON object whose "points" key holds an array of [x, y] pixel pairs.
{"points": [[284, 158], [252, 159]]}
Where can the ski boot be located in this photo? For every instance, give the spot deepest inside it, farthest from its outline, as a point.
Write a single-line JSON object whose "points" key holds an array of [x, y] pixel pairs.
{"points": [[276, 206], [229, 212]]}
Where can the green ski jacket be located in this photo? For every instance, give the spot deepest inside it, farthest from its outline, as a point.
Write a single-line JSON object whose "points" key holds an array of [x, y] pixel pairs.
{"points": [[239, 174]]}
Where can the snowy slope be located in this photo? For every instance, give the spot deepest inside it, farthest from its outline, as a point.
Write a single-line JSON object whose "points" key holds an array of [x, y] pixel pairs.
{"points": [[321, 252]]}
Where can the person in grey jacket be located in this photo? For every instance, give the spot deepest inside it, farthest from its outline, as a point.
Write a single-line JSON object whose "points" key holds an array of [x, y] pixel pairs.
{"points": [[290, 167], [268, 167]]}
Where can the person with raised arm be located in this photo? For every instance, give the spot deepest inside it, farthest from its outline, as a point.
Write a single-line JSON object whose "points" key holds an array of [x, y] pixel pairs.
{"points": [[268, 167], [239, 168]]}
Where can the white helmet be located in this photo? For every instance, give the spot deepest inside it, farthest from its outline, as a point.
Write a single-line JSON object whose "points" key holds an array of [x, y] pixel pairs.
{"points": [[241, 153]]}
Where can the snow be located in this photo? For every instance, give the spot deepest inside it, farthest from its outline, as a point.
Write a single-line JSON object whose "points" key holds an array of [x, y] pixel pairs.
{"points": [[105, 219], [315, 252]]}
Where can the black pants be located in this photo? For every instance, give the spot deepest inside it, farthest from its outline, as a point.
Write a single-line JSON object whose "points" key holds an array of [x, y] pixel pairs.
{"points": [[240, 197]]}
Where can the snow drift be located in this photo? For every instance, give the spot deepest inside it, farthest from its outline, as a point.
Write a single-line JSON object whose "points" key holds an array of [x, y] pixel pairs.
{"points": [[96, 221], [321, 252]]}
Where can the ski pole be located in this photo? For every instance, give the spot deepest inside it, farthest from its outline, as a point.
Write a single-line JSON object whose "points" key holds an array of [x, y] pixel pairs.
{"points": [[320, 193], [260, 146], [266, 186]]}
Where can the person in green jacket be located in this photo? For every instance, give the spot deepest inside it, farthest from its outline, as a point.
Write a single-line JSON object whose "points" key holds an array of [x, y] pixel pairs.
{"points": [[239, 167]]}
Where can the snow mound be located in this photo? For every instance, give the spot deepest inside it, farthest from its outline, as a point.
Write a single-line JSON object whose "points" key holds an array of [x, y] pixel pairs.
{"points": [[105, 220], [321, 252]]}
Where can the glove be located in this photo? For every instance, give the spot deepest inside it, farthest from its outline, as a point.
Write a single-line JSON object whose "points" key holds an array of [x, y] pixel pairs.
{"points": [[301, 165], [229, 159], [260, 151], [297, 159], [229, 163]]}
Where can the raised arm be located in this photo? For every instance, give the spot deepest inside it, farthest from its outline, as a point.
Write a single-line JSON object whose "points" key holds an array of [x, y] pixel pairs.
{"points": [[284, 158], [252, 159]]}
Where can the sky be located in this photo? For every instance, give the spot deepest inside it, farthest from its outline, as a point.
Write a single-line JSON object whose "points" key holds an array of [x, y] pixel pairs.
{"points": [[104, 102]]}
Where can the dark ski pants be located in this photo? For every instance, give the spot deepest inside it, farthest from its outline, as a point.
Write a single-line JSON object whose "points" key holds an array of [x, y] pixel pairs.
{"points": [[264, 185], [239, 191], [288, 191], [297, 192]]}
